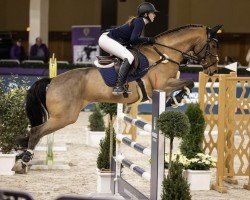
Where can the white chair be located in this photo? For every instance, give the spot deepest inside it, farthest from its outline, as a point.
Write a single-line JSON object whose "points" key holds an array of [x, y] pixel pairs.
{"points": [[62, 62], [10, 61], [33, 61]]}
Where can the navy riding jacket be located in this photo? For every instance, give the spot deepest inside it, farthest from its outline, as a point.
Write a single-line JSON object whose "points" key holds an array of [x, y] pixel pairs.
{"points": [[129, 34]]}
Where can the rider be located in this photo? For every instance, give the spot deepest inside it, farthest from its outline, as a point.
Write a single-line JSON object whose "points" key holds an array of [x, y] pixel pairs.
{"points": [[116, 39]]}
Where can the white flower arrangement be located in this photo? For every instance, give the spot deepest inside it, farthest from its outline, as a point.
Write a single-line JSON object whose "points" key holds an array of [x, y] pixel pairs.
{"points": [[199, 162]]}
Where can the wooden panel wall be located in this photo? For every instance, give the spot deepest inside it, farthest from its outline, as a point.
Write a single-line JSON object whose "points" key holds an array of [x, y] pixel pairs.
{"points": [[233, 14], [235, 46]]}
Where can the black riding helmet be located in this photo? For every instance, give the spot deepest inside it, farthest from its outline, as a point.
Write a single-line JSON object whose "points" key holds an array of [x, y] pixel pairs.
{"points": [[145, 7]]}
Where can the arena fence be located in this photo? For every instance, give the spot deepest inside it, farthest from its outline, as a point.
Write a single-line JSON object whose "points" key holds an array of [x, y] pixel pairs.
{"points": [[227, 115]]}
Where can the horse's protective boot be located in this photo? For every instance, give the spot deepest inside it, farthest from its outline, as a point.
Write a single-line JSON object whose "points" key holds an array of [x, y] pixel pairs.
{"points": [[143, 90], [122, 77]]}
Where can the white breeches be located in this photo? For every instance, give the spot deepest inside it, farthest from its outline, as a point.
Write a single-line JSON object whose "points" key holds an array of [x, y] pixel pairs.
{"points": [[115, 48]]}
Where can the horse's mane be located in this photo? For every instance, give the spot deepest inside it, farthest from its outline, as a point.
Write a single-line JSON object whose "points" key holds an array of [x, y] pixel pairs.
{"points": [[178, 29]]}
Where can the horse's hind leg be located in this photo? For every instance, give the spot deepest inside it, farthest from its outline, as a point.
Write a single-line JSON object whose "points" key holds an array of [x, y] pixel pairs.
{"points": [[53, 124]]}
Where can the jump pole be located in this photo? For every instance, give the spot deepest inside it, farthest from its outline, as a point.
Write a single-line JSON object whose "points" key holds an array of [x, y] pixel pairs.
{"points": [[122, 187], [50, 137]]}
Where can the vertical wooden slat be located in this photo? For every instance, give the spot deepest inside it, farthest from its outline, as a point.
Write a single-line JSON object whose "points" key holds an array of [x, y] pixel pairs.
{"points": [[218, 186]]}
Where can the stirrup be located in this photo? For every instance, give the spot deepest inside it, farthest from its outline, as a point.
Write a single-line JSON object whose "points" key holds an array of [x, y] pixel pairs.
{"points": [[118, 90], [125, 92]]}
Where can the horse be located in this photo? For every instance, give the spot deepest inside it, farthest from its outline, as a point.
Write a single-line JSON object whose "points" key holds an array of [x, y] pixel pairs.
{"points": [[55, 103]]}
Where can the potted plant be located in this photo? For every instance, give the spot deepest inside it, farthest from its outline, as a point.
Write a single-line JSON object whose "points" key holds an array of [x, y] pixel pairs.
{"points": [[95, 131], [175, 186], [174, 124], [106, 151], [13, 124], [198, 171]]}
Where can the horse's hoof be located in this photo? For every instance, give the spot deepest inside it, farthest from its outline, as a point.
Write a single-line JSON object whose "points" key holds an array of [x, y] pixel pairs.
{"points": [[19, 167]]}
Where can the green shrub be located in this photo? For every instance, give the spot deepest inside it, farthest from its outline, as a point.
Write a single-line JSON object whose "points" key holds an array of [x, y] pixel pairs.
{"points": [[107, 146], [13, 119], [103, 159], [175, 186], [192, 141], [173, 124], [109, 108], [96, 120]]}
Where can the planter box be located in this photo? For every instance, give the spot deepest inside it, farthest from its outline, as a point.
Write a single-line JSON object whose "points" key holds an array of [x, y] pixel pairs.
{"points": [[104, 179], [7, 162], [199, 179], [93, 138]]}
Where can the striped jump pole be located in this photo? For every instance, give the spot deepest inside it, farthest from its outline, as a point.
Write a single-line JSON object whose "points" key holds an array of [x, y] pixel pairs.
{"points": [[135, 145], [156, 152], [136, 122], [135, 168]]}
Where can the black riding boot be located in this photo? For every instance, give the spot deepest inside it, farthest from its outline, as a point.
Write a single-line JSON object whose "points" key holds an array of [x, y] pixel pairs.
{"points": [[122, 77]]}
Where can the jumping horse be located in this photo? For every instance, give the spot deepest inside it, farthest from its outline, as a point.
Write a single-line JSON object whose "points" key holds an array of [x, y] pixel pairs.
{"points": [[55, 103]]}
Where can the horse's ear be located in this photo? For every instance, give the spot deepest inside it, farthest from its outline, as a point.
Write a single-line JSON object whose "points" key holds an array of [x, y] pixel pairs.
{"points": [[215, 29]]}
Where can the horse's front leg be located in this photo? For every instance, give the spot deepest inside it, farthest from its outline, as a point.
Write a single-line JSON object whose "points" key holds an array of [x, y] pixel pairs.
{"points": [[176, 89]]}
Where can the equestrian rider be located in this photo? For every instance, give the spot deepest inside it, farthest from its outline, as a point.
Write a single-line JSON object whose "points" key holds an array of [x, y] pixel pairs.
{"points": [[116, 39]]}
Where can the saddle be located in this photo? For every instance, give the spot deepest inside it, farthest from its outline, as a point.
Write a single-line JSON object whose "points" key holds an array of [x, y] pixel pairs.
{"points": [[106, 60], [108, 66]]}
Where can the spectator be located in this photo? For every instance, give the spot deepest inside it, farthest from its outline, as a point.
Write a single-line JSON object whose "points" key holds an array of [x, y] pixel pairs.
{"points": [[39, 51], [17, 51]]}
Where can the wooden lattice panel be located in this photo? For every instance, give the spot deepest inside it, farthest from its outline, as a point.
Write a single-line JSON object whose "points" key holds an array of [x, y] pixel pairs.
{"points": [[237, 127], [231, 118], [210, 99]]}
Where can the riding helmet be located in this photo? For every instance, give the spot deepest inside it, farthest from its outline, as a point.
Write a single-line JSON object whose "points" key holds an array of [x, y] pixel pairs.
{"points": [[145, 7]]}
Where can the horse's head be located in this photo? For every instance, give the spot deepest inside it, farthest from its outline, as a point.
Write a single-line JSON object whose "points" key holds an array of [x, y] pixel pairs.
{"points": [[207, 51]]}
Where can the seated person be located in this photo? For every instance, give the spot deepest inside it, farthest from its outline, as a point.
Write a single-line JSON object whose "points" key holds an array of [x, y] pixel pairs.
{"points": [[39, 51], [17, 51]]}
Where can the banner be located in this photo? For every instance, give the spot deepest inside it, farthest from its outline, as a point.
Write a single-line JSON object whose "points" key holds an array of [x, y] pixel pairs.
{"points": [[85, 43]]}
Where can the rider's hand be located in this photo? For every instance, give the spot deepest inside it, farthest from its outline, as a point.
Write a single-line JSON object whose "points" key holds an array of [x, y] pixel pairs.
{"points": [[151, 40]]}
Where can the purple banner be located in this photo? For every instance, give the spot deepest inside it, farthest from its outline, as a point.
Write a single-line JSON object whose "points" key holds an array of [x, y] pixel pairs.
{"points": [[85, 43]]}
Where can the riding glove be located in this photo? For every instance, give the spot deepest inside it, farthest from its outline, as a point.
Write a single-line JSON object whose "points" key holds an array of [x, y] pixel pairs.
{"points": [[151, 40]]}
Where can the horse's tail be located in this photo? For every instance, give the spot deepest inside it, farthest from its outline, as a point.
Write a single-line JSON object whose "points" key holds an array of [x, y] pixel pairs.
{"points": [[36, 102], [35, 107]]}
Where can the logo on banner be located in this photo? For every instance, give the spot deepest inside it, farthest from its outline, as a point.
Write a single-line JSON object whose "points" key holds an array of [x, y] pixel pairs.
{"points": [[86, 32]]}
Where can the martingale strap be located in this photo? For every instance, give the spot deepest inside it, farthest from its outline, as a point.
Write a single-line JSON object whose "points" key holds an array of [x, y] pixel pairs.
{"points": [[163, 57]]}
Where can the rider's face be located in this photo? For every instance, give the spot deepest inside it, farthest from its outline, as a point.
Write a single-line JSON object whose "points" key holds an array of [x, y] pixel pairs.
{"points": [[151, 16]]}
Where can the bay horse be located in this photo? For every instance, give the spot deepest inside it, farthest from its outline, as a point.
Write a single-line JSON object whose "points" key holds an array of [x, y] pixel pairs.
{"points": [[55, 103]]}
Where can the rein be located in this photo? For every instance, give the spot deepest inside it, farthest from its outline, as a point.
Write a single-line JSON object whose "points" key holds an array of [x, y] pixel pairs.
{"points": [[186, 55]]}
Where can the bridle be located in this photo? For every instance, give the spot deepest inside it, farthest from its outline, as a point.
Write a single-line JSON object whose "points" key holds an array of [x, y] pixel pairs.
{"points": [[196, 57]]}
